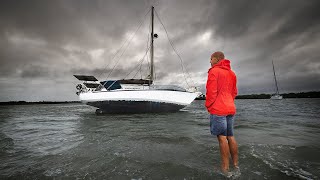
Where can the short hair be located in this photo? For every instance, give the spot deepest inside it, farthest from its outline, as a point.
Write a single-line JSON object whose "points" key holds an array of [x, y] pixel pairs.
{"points": [[219, 55]]}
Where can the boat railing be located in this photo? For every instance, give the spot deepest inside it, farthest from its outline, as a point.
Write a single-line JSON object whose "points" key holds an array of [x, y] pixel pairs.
{"points": [[168, 87]]}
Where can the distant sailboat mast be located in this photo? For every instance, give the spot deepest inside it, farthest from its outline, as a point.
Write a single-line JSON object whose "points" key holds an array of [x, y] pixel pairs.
{"points": [[275, 78], [277, 95]]}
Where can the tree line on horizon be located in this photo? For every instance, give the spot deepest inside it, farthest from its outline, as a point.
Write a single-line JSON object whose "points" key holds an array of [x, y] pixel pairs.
{"points": [[312, 94]]}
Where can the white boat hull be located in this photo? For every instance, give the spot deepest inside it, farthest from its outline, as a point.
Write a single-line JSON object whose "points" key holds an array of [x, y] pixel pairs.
{"points": [[137, 101], [276, 97]]}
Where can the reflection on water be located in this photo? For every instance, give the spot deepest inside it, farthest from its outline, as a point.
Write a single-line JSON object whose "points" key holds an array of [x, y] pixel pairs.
{"points": [[277, 139]]}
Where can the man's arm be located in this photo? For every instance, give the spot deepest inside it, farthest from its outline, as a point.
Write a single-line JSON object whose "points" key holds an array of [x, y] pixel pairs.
{"points": [[235, 89], [212, 89]]}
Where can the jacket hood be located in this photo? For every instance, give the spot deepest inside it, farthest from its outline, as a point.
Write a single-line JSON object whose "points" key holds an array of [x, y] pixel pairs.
{"points": [[223, 64]]}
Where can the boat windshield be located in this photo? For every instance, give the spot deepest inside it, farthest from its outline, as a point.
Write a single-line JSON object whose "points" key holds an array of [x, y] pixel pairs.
{"points": [[111, 85]]}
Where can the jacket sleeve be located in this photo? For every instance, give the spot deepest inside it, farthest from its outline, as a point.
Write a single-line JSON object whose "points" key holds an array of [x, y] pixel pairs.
{"points": [[235, 89], [212, 89]]}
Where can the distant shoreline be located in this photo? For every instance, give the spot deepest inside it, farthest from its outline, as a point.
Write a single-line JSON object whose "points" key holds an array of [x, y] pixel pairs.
{"points": [[38, 102], [312, 94]]}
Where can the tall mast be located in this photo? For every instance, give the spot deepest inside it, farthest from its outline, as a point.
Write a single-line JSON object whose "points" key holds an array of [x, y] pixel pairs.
{"points": [[151, 52], [275, 78]]}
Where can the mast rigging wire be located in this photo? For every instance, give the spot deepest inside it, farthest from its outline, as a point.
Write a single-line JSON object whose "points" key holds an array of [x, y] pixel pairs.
{"points": [[184, 71], [140, 62], [105, 69], [181, 61], [146, 53]]}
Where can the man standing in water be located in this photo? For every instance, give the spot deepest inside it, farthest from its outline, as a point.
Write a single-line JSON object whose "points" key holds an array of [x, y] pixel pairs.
{"points": [[221, 92]]}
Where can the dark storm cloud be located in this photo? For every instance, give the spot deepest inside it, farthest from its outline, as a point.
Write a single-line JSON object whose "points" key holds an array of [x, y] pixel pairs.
{"points": [[69, 21], [233, 19], [37, 31], [252, 33], [52, 40]]}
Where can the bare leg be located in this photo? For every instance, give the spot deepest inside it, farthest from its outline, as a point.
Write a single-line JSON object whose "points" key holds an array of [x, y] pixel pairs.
{"points": [[233, 146], [224, 152]]}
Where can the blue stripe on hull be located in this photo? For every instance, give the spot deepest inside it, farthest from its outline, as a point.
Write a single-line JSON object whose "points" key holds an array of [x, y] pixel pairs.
{"points": [[134, 107]]}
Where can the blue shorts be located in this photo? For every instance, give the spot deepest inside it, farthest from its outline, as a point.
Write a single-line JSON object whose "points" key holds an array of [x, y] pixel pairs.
{"points": [[221, 125]]}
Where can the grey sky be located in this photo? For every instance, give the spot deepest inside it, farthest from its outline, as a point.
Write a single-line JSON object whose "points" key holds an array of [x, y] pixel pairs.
{"points": [[43, 43]]}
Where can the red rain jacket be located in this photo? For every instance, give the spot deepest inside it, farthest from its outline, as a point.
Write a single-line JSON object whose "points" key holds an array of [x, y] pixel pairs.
{"points": [[221, 89]]}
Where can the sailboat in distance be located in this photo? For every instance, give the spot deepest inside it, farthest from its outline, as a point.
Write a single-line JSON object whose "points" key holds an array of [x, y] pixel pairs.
{"points": [[276, 96], [133, 95]]}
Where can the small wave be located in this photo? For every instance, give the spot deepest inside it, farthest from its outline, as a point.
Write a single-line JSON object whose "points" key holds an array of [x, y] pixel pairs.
{"points": [[279, 158], [203, 124], [53, 172], [6, 143], [242, 127], [164, 139]]}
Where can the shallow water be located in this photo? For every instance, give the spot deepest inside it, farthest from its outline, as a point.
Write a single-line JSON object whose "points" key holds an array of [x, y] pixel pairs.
{"points": [[277, 140]]}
